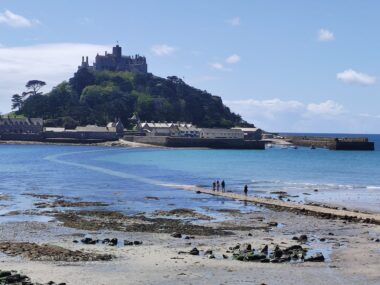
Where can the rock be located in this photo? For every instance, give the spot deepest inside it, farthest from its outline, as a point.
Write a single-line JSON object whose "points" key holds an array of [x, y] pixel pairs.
{"points": [[315, 190], [88, 241], [75, 241], [302, 238], [254, 257], [5, 273], [265, 260], [330, 234], [249, 234], [127, 242], [211, 256], [294, 249], [247, 247], [207, 252], [273, 224], [318, 257], [176, 235], [322, 239], [113, 242], [295, 238], [377, 240], [264, 249], [277, 252], [236, 247], [198, 192], [194, 251], [136, 242], [225, 256]]}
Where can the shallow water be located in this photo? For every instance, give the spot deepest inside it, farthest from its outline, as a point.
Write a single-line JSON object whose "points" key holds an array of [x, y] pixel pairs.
{"points": [[123, 177]]}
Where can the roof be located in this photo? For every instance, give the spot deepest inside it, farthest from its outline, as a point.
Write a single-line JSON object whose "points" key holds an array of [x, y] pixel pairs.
{"points": [[221, 130], [247, 130], [21, 121], [94, 128], [51, 129]]}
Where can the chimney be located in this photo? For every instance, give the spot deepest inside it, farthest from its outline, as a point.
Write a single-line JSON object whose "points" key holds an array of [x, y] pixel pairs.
{"points": [[87, 59], [82, 59]]}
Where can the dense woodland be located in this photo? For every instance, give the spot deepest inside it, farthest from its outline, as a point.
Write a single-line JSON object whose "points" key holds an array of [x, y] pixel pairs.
{"points": [[99, 97]]}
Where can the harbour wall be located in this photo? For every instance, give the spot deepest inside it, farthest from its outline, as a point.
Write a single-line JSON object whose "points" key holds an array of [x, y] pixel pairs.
{"points": [[197, 142], [332, 143]]}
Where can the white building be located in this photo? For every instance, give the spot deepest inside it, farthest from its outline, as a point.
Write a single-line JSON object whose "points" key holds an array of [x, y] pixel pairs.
{"points": [[207, 133]]}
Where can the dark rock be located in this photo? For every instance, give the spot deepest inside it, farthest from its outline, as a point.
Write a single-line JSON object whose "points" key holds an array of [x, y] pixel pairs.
{"points": [[273, 224], [322, 239], [264, 249], [377, 240], [315, 190], [249, 234], [5, 273], [127, 242], [176, 235], [88, 241], [247, 247], [302, 238], [330, 234], [265, 260], [136, 242], [198, 192], [225, 256], [295, 238], [209, 251], [75, 241], [194, 251], [113, 242], [277, 252], [318, 257], [211, 256]]}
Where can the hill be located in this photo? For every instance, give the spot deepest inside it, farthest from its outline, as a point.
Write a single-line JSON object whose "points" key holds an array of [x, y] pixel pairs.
{"points": [[98, 97]]}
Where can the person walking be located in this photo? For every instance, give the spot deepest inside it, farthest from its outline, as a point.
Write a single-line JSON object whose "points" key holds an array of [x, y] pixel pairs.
{"points": [[245, 189], [217, 185], [213, 185], [223, 186]]}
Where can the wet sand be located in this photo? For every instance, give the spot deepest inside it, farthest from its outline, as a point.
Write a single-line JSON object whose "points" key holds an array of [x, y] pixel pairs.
{"points": [[351, 249]]}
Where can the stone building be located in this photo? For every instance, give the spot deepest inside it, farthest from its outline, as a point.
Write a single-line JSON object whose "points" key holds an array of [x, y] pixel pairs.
{"points": [[21, 126], [115, 61], [251, 133], [209, 133]]}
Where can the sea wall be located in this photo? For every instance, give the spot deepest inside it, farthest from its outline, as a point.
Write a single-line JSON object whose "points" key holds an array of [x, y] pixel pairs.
{"points": [[332, 143], [197, 142]]}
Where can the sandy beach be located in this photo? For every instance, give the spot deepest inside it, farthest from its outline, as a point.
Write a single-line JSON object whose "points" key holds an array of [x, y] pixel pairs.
{"points": [[350, 248]]}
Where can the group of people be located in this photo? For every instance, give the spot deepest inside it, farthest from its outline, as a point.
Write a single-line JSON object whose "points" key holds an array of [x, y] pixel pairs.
{"points": [[216, 186]]}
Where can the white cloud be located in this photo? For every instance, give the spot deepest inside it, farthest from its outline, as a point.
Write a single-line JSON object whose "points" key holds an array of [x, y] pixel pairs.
{"points": [[52, 63], [233, 58], [17, 21], [328, 107], [292, 115], [325, 35], [163, 49], [234, 21], [217, 65], [354, 77]]}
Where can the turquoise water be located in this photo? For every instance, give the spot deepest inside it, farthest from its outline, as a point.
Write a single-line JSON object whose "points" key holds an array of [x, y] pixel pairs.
{"points": [[125, 176]]}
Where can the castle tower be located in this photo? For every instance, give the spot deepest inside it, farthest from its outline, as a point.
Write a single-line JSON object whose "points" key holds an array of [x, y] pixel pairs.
{"points": [[116, 51]]}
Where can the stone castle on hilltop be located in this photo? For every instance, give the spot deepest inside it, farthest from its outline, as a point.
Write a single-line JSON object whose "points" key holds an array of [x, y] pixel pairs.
{"points": [[117, 62]]}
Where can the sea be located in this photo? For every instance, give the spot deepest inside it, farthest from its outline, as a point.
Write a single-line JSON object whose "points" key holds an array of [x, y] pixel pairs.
{"points": [[134, 180]]}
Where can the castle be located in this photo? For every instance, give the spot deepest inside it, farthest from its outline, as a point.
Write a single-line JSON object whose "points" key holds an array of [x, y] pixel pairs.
{"points": [[117, 62]]}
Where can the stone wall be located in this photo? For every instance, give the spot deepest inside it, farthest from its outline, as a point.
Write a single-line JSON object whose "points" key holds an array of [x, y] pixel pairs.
{"points": [[197, 142]]}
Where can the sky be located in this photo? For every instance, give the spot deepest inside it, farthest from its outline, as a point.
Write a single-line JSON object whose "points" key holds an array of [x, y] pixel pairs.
{"points": [[286, 66]]}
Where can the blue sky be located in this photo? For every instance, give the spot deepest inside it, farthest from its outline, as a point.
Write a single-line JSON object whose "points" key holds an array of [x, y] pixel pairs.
{"points": [[306, 66]]}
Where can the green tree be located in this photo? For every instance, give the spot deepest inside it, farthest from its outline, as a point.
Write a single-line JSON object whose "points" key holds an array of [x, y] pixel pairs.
{"points": [[33, 87], [17, 102]]}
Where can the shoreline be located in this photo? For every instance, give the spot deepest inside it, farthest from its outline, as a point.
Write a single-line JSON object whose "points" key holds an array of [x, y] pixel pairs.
{"points": [[324, 211], [163, 257]]}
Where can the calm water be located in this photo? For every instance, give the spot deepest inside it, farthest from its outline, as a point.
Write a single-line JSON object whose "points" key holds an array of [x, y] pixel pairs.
{"points": [[124, 177]]}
